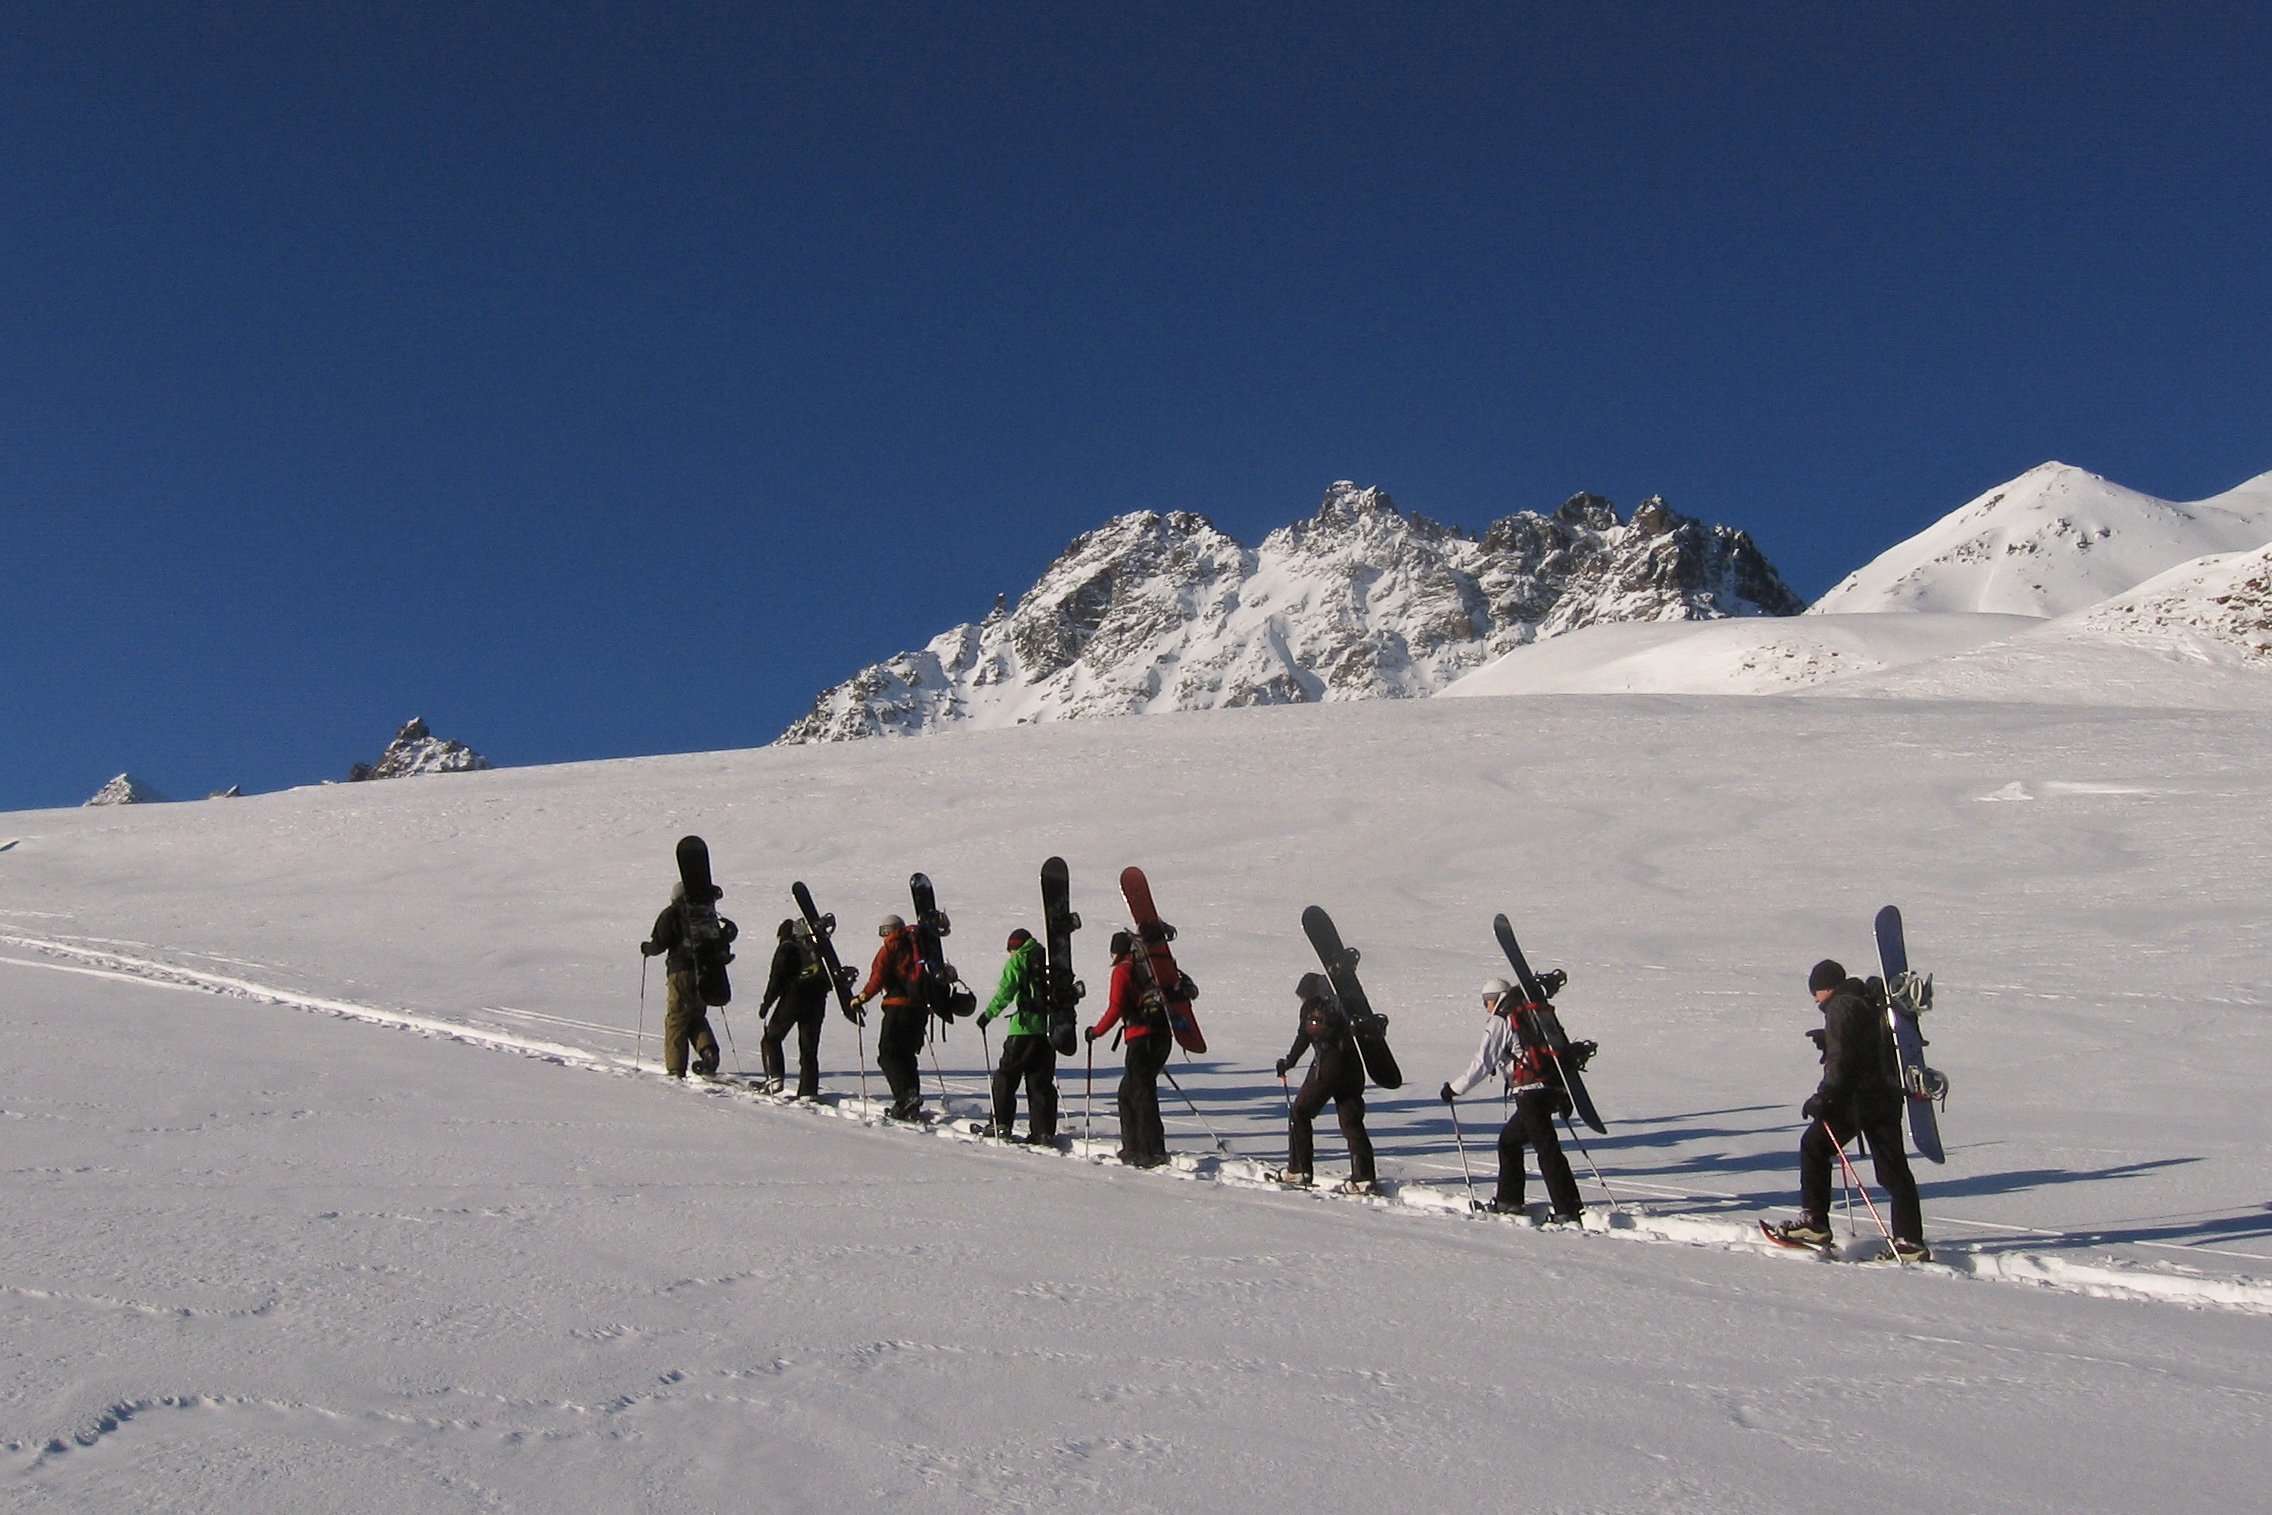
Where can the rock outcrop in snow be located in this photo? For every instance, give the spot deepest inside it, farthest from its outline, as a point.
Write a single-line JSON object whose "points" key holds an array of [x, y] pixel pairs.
{"points": [[1160, 611], [126, 789], [416, 750], [2053, 541], [2215, 607]]}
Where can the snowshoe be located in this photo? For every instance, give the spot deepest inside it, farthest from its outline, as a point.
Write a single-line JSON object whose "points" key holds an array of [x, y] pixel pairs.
{"points": [[1806, 1232], [1357, 1186], [994, 1132], [1502, 1207], [1563, 1220], [1907, 1251], [1290, 1178]]}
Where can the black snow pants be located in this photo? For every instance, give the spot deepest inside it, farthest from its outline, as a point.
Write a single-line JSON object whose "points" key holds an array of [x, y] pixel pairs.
{"points": [[1533, 1125], [1029, 1060], [899, 1053], [1880, 1125], [1335, 1074], [1143, 1140], [805, 1012]]}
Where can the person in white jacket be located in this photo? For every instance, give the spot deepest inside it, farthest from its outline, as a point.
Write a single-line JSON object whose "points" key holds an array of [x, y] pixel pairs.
{"points": [[1514, 1048]]}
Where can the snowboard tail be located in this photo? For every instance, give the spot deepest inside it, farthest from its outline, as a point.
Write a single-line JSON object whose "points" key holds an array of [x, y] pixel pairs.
{"points": [[708, 934], [1549, 1024], [1906, 997], [823, 929], [1367, 1026], [1166, 978], [1058, 924]]}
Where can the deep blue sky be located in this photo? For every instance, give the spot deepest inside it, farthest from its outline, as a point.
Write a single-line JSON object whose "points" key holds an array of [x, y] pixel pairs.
{"points": [[598, 379]]}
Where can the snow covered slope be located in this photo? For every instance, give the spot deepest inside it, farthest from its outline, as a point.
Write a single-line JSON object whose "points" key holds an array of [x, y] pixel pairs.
{"points": [[2052, 541], [1160, 611], [1750, 656], [257, 1234]]}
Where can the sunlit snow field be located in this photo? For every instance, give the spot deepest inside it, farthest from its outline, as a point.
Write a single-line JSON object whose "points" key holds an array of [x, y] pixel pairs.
{"points": [[267, 1250]]}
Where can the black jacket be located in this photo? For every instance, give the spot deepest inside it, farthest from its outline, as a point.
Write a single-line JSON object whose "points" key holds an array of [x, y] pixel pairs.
{"points": [[788, 984], [1860, 1069], [670, 935], [1325, 1026]]}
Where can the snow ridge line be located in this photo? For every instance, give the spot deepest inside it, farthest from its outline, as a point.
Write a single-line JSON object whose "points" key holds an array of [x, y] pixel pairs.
{"points": [[2106, 1280], [142, 970]]}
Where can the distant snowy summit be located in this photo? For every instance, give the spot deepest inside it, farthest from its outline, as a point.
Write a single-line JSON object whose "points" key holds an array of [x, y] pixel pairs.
{"points": [[417, 750], [2053, 541], [126, 789], [1160, 611]]}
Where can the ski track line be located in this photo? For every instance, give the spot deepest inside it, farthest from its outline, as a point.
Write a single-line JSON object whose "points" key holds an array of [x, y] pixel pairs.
{"points": [[2107, 1279]]}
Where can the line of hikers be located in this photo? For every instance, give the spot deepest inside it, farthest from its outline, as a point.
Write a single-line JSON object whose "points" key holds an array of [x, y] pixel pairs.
{"points": [[1859, 1092]]}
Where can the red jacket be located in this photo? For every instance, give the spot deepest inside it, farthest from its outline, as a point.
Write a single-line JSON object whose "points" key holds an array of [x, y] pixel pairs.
{"points": [[896, 970], [1124, 1007]]}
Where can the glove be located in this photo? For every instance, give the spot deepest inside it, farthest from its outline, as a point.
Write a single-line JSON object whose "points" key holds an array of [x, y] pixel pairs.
{"points": [[857, 1015], [1445, 1094], [986, 1019], [1816, 1106], [649, 949], [1090, 1033], [1281, 1069]]}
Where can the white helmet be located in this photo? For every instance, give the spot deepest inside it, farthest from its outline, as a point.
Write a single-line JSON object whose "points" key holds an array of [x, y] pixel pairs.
{"points": [[1493, 988]]}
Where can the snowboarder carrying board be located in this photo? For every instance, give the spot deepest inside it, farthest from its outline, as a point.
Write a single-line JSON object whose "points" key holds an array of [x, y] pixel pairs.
{"points": [[1338, 1074], [1144, 1028], [1027, 1056], [685, 1022], [1860, 1091], [796, 991], [1515, 1049], [897, 975]]}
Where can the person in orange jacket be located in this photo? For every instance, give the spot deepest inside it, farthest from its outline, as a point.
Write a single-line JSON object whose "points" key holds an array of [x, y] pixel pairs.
{"points": [[897, 976], [1144, 1028]]}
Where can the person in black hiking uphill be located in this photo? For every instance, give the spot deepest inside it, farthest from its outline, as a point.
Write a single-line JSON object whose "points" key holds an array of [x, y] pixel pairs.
{"points": [[1027, 1057], [686, 1024], [1860, 1092], [1144, 1028], [1516, 1051], [899, 1044], [1337, 1073], [796, 991]]}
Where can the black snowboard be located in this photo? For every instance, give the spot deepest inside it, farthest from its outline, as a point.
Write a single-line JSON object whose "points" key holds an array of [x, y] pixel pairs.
{"points": [[709, 935], [1907, 996], [1541, 1014], [941, 994], [1058, 925], [1367, 1026], [823, 929]]}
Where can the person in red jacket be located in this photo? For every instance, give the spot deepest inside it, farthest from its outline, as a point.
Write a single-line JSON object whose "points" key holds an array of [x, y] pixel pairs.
{"points": [[1143, 1024], [899, 1044]]}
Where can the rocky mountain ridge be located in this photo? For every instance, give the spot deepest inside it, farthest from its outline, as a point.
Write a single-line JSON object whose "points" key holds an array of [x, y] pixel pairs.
{"points": [[1161, 610], [416, 750]]}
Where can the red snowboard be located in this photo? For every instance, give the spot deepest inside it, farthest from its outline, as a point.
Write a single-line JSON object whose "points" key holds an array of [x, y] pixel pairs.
{"points": [[1156, 934]]}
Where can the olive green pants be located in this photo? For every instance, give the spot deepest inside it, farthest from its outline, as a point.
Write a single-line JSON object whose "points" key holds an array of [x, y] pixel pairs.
{"points": [[686, 1024]]}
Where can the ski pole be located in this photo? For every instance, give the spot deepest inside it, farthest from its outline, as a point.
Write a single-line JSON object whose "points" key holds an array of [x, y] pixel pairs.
{"points": [[1857, 1181], [860, 1034], [727, 1022], [1220, 1145], [1089, 1096], [1288, 1095], [941, 1074], [1846, 1195], [1589, 1157], [1571, 1096], [1453, 1105], [638, 1040]]}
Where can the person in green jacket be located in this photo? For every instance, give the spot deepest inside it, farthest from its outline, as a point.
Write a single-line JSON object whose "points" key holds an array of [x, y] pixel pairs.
{"points": [[1026, 1053]]}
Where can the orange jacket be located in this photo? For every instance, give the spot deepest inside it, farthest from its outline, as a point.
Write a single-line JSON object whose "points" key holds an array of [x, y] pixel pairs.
{"points": [[896, 970]]}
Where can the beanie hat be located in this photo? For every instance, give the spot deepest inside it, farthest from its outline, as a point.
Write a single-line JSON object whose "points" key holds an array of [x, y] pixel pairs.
{"points": [[1122, 943], [889, 924], [1018, 938], [1828, 974]]}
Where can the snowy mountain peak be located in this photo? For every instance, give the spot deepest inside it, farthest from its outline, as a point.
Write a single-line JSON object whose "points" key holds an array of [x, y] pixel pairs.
{"points": [[416, 750], [126, 789], [2053, 541], [1161, 610]]}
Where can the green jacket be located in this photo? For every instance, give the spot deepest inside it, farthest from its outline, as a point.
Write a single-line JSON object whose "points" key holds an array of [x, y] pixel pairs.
{"points": [[1023, 980]]}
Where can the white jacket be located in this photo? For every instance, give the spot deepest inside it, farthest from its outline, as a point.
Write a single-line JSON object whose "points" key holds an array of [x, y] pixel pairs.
{"points": [[1498, 1054]]}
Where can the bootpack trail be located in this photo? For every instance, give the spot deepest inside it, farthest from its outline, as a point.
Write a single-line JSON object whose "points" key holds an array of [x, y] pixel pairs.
{"points": [[1232, 1173]]}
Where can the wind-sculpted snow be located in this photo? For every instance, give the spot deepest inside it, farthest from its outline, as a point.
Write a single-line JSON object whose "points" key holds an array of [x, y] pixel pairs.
{"points": [[1160, 611], [2052, 541]]}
